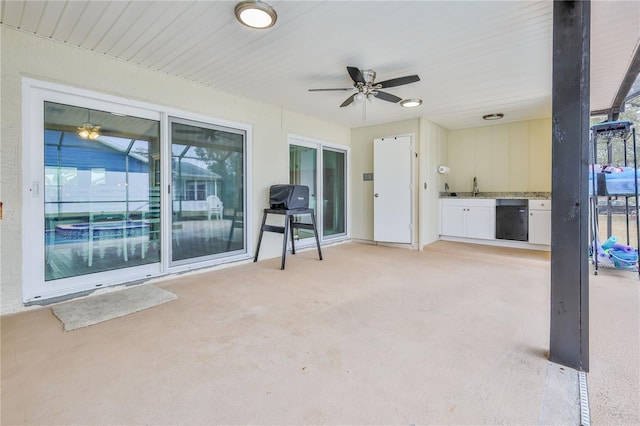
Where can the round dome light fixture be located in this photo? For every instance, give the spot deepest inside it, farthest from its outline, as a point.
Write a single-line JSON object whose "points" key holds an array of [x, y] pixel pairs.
{"points": [[494, 116], [411, 103], [256, 14]]}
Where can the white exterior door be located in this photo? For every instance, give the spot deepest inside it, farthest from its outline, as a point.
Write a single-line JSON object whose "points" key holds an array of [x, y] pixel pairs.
{"points": [[392, 159]]}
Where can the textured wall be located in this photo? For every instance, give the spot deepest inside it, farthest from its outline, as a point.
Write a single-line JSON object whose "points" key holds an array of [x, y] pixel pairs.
{"points": [[505, 157], [24, 55], [362, 162], [433, 144]]}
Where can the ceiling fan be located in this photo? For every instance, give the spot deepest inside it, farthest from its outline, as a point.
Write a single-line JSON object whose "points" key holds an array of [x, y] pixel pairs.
{"points": [[365, 86]]}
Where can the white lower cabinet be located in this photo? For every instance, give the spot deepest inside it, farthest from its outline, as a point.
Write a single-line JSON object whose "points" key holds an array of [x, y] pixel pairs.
{"points": [[540, 222], [468, 218]]}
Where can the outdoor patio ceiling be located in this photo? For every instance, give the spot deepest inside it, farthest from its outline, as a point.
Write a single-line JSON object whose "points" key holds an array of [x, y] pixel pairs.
{"points": [[473, 58]]}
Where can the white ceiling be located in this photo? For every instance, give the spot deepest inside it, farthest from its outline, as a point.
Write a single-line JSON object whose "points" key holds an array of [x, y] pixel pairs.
{"points": [[473, 57]]}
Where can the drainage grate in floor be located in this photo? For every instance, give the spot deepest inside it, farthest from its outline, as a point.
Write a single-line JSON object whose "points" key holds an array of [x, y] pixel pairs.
{"points": [[585, 415]]}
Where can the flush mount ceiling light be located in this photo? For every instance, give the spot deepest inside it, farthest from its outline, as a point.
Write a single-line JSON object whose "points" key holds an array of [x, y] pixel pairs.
{"points": [[256, 14], [496, 116], [411, 103], [88, 130]]}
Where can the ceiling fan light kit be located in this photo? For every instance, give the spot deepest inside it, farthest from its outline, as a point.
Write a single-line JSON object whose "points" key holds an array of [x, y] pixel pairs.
{"points": [[365, 86], [88, 130], [256, 14]]}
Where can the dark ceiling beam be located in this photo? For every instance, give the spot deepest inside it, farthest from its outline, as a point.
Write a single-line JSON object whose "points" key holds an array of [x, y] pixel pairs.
{"points": [[617, 106], [627, 83]]}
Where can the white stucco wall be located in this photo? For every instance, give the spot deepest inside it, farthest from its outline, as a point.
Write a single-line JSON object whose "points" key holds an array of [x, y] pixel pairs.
{"points": [[25, 55]]}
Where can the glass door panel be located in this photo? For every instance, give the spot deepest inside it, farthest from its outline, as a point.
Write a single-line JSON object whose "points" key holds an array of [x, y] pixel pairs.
{"points": [[101, 202], [333, 192], [207, 181], [303, 171]]}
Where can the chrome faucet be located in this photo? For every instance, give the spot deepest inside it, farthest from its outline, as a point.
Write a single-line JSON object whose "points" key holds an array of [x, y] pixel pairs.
{"points": [[476, 191]]}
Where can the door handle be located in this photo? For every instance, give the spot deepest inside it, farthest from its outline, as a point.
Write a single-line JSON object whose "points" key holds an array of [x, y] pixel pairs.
{"points": [[376, 195]]}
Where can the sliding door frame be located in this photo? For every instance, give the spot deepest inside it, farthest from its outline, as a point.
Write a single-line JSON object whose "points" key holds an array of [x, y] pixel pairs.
{"points": [[34, 94], [320, 146]]}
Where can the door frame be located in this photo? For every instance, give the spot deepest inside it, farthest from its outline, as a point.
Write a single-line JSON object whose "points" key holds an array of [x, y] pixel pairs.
{"points": [[318, 145], [34, 94], [186, 264], [414, 194]]}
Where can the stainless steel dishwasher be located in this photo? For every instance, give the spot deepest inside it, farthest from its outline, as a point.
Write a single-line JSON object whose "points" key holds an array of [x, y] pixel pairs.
{"points": [[512, 219]]}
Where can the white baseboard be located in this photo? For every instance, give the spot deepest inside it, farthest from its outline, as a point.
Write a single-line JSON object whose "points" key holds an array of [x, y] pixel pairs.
{"points": [[499, 243]]}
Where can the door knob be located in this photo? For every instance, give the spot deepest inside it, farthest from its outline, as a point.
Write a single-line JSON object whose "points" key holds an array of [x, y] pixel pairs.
{"points": [[376, 195]]}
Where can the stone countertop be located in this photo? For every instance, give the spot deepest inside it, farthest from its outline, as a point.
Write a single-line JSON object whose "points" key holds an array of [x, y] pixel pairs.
{"points": [[497, 195]]}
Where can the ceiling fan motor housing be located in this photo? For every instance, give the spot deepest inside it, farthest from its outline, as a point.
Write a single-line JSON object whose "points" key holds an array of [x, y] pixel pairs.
{"points": [[369, 76], [365, 86]]}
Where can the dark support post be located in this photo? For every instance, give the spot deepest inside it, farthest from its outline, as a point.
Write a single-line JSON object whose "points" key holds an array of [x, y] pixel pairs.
{"points": [[569, 342]]}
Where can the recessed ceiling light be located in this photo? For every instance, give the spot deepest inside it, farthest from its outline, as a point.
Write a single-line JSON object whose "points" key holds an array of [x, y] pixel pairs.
{"points": [[496, 116], [256, 14], [411, 103]]}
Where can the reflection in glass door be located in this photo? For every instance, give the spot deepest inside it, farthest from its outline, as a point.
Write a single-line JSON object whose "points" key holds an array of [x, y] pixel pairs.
{"points": [[303, 170], [334, 193], [207, 181], [102, 203]]}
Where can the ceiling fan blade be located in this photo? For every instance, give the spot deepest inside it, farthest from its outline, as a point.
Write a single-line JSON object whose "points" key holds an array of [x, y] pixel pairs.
{"points": [[356, 75], [398, 81], [387, 97], [328, 90], [348, 101]]}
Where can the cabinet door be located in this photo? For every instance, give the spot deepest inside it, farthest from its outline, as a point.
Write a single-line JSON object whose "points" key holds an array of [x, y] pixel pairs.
{"points": [[481, 222], [452, 220], [540, 227]]}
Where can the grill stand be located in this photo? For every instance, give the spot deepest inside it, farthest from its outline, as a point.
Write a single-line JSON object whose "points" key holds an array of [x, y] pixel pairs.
{"points": [[289, 225]]}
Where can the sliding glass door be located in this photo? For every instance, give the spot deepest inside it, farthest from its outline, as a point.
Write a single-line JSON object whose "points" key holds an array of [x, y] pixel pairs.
{"points": [[109, 198], [334, 169], [101, 201], [207, 180], [323, 169], [303, 170]]}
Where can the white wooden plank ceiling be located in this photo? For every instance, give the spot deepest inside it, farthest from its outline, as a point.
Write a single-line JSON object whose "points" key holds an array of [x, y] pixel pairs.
{"points": [[473, 58]]}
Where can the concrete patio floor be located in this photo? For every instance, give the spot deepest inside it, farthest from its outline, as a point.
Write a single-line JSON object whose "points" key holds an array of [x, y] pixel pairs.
{"points": [[455, 334]]}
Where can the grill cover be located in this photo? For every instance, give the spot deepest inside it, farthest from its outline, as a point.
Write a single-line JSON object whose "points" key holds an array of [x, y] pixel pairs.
{"points": [[289, 197]]}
